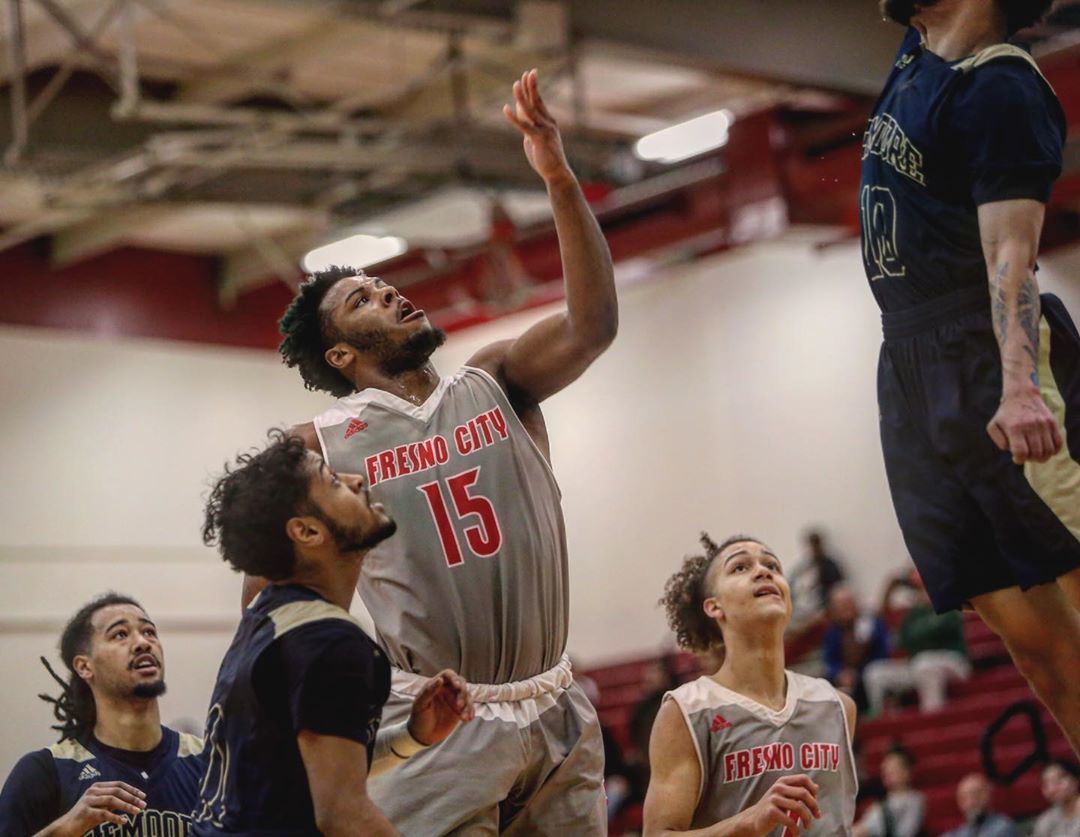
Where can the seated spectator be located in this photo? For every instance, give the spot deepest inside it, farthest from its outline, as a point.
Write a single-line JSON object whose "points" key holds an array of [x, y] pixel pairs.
{"points": [[973, 797], [1061, 787], [936, 654], [851, 641], [659, 679], [813, 579], [621, 783], [901, 813]]}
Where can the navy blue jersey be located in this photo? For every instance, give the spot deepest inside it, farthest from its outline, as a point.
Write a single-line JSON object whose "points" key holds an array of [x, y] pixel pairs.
{"points": [[46, 784], [297, 663], [944, 138]]}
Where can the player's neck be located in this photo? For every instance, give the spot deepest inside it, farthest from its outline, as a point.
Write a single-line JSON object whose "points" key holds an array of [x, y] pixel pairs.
{"points": [[335, 579], [131, 724], [413, 385], [965, 32], [755, 670]]}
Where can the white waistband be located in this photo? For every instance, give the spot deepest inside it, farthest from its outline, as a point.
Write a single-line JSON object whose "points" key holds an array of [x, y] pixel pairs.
{"points": [[553, 680]]}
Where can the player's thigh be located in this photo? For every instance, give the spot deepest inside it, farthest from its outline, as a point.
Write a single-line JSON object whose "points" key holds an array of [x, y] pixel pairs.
{"points": [[1040, 624], [565, 790], [455, 785], [1070, 586]]}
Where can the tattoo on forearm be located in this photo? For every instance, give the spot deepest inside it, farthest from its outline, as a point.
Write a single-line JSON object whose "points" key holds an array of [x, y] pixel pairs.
{"points": [[999, 303], [1028, 311]]}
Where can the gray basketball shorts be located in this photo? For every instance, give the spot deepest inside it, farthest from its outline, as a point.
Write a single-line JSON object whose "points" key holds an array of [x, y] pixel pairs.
{"points": [[528, 766]]}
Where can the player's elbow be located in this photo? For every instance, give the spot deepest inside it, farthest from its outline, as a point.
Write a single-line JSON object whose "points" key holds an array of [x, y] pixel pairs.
{"points": [[348, 814]]}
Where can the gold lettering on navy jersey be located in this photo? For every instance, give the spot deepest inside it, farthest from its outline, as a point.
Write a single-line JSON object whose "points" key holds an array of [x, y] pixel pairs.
{"points": [[884, 138]]}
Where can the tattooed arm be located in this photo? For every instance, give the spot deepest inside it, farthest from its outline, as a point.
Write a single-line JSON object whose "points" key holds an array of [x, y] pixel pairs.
{"points": [[1022, 425]]}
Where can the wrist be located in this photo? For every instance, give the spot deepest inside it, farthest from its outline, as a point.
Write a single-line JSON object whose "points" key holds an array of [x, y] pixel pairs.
{"points": [[562, 180], [1018, 387], [406, 741]]}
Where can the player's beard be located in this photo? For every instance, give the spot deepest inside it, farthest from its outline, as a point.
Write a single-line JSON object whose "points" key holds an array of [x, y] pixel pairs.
{"points": [[355, 539], [149, 690], [395, 359], [902, 11]]}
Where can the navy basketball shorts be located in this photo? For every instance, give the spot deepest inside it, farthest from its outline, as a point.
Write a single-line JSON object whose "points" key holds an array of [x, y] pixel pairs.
{"points": [[973, 521]]}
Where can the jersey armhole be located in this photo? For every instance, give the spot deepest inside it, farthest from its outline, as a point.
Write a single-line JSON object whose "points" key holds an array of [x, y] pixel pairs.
{"points": [[697, 747], [322, 443], [514, 417], [849, 736]]}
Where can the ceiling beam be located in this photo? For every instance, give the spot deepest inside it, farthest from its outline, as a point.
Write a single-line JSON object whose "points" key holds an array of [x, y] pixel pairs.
{"points": [[105, 232], [841, 45]]}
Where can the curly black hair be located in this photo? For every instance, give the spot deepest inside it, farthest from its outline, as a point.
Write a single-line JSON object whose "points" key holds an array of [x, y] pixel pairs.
{"points": [[685, 594], [308, 332], [252, 501], [75, 708], [1020, 14]]}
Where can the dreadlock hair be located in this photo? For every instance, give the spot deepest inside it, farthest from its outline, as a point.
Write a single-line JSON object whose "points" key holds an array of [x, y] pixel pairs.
{"points": [[75, 708], [685, 593], [1020, 14], [308, 332], [252, 501]]}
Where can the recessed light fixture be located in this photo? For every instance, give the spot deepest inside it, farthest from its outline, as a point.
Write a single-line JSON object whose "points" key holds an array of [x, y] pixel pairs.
{"points": [[686, 139], [355, 251]]}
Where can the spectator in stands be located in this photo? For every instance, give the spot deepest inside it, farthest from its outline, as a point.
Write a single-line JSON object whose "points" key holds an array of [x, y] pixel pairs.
{"points": [[813, 579], [851, 641], [902, 811], [973, 797], [936, 654], [620, 781], [659, 679], [1061, 787]]}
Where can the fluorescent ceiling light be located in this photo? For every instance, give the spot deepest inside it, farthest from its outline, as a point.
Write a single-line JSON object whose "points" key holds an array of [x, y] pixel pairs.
{"points": [[686, 139], [355, 251]]}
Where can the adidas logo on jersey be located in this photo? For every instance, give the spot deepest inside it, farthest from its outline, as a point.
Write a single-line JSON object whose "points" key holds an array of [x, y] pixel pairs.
{"points": [[355, 426], [719, 723], [89, 772]]}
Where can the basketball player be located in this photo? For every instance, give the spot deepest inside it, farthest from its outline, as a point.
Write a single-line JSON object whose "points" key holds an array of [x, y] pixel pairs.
{"points": [[752, 749], [292, 733], [476, 578], [116, 766], [978, 376]]}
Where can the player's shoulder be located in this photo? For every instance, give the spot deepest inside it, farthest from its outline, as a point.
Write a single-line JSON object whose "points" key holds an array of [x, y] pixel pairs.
{"points": [[306, 618], [35, 766], [1003, 73], [805, 687], [696, 695], [186, 744]]}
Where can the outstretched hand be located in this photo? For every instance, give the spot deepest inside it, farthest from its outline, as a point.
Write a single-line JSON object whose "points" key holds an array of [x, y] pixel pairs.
{"points": [[543, 143], [442, 704]]}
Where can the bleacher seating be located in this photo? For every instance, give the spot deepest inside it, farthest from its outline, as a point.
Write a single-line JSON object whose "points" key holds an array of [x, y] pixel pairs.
{"points": [[945, 744]]}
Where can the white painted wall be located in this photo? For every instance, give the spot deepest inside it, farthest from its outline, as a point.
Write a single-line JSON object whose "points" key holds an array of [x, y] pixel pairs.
{"points": [[739, 396]]}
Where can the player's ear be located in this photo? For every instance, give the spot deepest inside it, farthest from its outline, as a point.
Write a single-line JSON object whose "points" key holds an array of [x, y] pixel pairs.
{"points": [[712, 608], [82, 668], [305, 531], [339, 356]]}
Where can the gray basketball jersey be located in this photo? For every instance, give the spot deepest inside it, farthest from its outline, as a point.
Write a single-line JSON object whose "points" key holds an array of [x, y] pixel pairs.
{"points": [[744, 747], [476, 577]]}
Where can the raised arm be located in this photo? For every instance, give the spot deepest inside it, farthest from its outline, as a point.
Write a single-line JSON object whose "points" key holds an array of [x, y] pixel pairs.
{"points": [[558, 349], [676, 779], [1023, 424], [337, 774]]}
